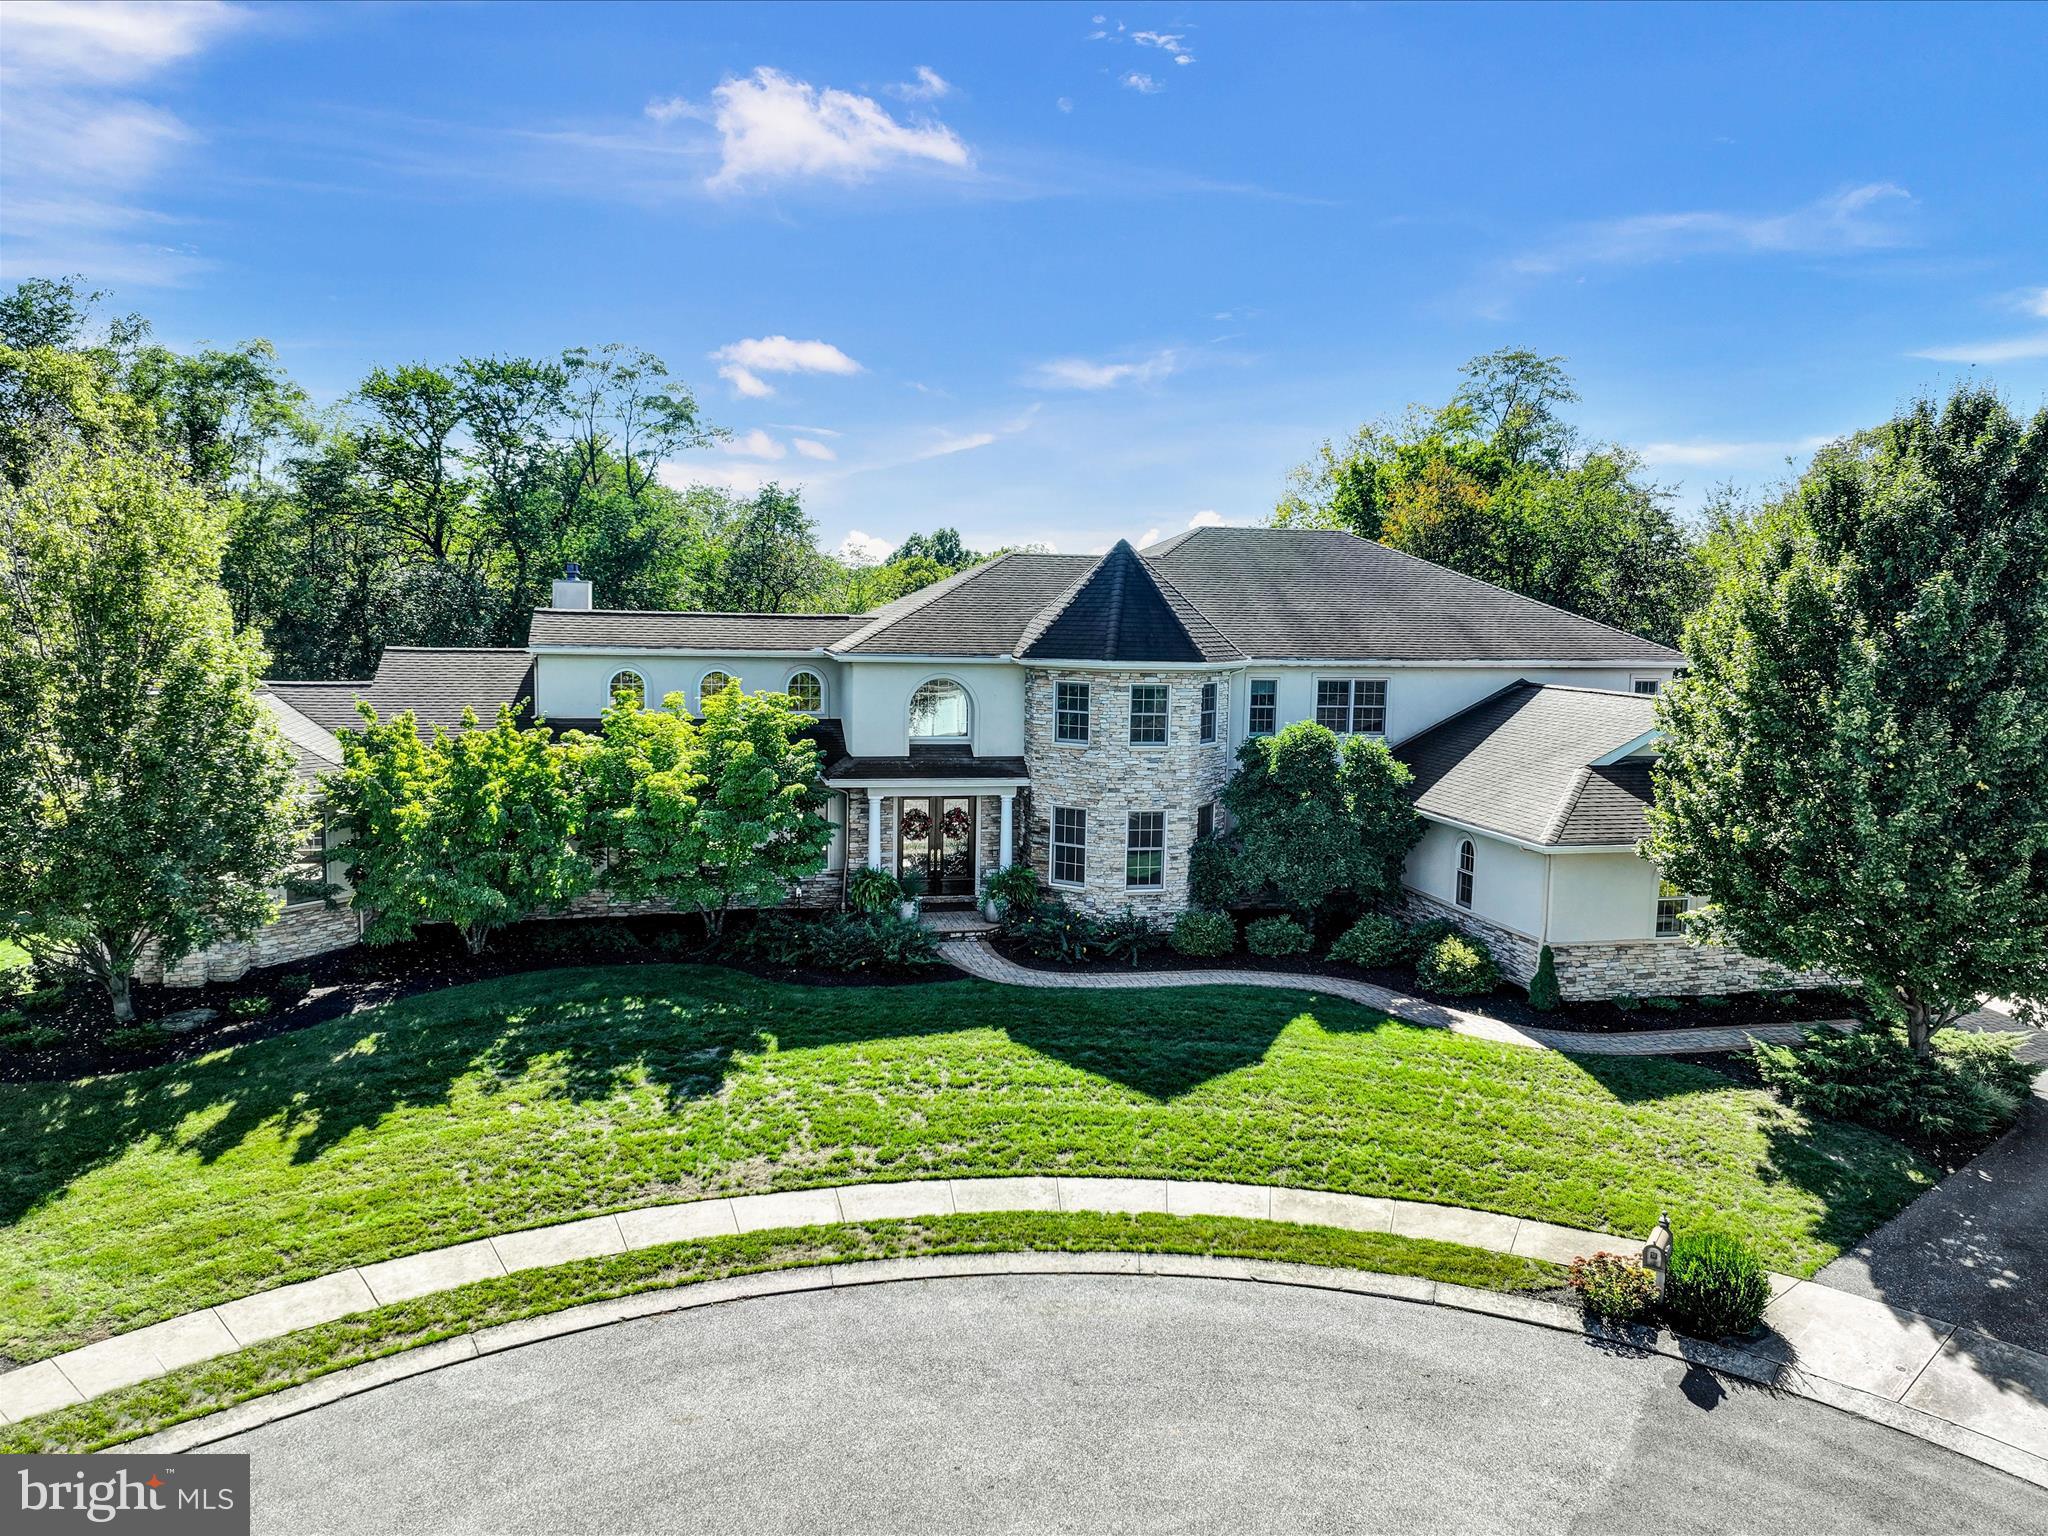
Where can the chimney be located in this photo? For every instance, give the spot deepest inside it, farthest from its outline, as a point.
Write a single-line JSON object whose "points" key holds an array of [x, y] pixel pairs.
{"points": [[571, 590]]}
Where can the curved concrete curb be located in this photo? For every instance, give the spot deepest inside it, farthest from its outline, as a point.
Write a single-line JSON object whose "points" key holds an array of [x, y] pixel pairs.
{"points": [[979, 960], [1742, 1364]]}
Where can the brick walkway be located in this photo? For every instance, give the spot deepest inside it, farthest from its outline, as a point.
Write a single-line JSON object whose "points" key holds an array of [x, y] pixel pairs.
{"points": [[980, 960]]}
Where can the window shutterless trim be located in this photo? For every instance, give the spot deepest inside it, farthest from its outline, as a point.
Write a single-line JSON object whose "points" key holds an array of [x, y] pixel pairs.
{"points": [[1207, 732], [1164, 714], [1467, 867], [1271, 686], [1060, 713], [1139, 843], [1054, 845]]}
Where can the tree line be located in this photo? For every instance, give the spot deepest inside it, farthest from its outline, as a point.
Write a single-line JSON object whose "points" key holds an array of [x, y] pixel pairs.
{"points": [[436, 503]]}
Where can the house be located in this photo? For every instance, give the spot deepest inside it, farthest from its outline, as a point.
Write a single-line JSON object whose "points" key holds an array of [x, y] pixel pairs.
{"points": [[1084, 713]]}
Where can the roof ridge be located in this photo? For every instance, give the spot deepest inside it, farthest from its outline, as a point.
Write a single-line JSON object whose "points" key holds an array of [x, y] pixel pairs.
{"points": [[1049, 615], [660, 613], [1170, 585], [1560, 818]]}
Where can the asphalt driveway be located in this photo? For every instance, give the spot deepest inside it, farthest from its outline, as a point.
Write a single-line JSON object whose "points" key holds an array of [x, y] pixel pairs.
{"points": [[1096, 1402]]}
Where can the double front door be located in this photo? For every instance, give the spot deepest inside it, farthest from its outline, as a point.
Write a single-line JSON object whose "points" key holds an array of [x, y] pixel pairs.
{"points": [[935, 833]]}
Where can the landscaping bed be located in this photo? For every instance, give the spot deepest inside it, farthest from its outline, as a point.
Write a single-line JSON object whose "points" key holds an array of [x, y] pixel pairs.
{"points": [[278, 999], [1505, 1003]]}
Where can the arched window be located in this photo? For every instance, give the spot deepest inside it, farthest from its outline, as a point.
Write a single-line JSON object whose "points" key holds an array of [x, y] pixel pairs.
{"points": [[628, 687], [806, 691], [1465, 873], [938, 711], [710, 683]]}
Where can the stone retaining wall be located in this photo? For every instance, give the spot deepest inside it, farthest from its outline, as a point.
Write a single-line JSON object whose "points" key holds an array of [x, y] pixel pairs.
{"points": [[298, 934]]}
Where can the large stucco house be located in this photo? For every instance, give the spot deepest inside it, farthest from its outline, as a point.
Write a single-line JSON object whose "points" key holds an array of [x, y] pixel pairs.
{"points": [[1084, 713]]}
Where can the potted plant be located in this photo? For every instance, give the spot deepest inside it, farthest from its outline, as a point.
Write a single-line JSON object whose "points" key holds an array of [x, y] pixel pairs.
{"points": [[1009, 890], [911, 883]]}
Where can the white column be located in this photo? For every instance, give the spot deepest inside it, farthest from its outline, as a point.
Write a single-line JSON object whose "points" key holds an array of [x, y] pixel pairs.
{"points": [[1003, 859], [874, 829]]}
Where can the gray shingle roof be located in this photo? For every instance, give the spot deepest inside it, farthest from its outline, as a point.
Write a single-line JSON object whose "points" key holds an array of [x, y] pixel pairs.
{"points": [[1520, 762], [1318, 593], [436, 685], [315, 750], [688, 631], [981, 611], [1124, 610]]}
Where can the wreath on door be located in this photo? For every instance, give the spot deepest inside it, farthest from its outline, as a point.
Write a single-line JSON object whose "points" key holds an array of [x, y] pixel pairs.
{"points": [[956, 823], [917, 824]]}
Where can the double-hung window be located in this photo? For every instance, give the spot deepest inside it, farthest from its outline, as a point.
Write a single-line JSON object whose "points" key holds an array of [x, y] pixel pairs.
{"points": [[1466, 861], [1145, 851], [1069, 847], [1263, 714], [1148, 714], [1205, 822], [1352, 706], [1671, 906], [1208, 711], [305, 879], [1070, 712]]}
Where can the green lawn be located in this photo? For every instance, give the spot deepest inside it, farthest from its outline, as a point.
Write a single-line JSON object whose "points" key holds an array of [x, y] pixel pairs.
{"points": [[564, 1093], [282, 1362], [12, 955]]}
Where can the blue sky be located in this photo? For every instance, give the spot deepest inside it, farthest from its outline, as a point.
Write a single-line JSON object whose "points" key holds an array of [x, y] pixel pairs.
{"points": [[1069, 273]]}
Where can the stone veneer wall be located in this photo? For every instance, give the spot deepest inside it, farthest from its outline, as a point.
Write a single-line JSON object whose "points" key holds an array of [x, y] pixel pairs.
{"points": [[988, 831], [1109, 778], [1622, 967], [298, 934]]}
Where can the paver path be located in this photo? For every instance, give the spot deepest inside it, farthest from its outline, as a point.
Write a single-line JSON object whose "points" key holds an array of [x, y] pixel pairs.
{"points": [[979, 959]]}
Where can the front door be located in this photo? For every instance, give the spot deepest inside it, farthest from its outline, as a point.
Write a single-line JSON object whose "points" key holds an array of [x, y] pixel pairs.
{"points": [[936, 834]]}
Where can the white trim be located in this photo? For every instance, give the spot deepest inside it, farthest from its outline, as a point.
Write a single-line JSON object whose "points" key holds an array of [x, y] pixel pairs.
{"points": [[1628, 748], [1131, 714], [973, 712], [1465, 882], [666, 650], [1523, 842], [611, 693], [1637, 679], [794, 673], [1087, 714], [711, 672], [1315, 701], [1381, 663], [924, 656], [1052, 847], [1146, 810]]}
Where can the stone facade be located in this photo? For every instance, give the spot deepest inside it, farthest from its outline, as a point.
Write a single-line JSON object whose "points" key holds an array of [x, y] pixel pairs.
{"points": [[1108, 778], [1621, 968], [988, 831], [298, 934]]}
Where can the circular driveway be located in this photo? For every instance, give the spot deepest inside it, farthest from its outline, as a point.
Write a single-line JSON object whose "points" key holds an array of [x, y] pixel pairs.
{"points": [[1034, 1403]]}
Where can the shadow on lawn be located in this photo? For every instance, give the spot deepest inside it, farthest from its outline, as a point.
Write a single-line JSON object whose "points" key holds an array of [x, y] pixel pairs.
{"points": [[594, 1034]]}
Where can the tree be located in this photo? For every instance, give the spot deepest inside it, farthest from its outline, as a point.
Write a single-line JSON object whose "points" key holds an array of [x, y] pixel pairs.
{"points": [[725, 812], [941, 545], [761, 554], [145, 796], [1313, 820], [1855, 768], [475, 828]]}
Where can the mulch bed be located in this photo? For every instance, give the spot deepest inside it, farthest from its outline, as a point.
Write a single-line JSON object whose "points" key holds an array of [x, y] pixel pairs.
{"points": [[1505, 1003], [303, 993]]}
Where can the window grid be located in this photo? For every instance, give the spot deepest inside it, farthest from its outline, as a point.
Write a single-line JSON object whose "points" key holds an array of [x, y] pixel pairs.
{"points": [[1145, 851], [1671, 903], [1208, 711], [1263, 714], [1648, 684], [1069, 847], [939, 712], [711, 683], [1148, 714], [305, 880], [1205, 822], [807, 692], [1465, 863], [1355, 706], [627, 687], [1070, 712]]}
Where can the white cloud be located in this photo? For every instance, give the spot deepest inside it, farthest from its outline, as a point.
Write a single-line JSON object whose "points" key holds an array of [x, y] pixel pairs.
{"points": [[79, 152], [2010, 349], [859, 548], [1082, 373], [108, 42], [773, 128], [754, 445], [1065, 103], [1858, 218], [1208, 517], [928, 86], [959, 444], [811, 448], [1698, 454], [2036, 303], [743, 362], [1149, 536], [1170, 42], [1137, 80]]}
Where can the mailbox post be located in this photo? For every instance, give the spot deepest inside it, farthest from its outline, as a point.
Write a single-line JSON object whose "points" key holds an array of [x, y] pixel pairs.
{"points": [[1657, 1252]]}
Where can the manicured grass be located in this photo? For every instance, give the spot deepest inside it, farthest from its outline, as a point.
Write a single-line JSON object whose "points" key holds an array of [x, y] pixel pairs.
{"points": [[277, 1363], [12, 955], [556, 1094]]}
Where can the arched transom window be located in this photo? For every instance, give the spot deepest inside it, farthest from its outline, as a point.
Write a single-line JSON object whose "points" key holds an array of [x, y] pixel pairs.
{"points": [[709, 684], [806, 691], [628, 687], [938, 711]]}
